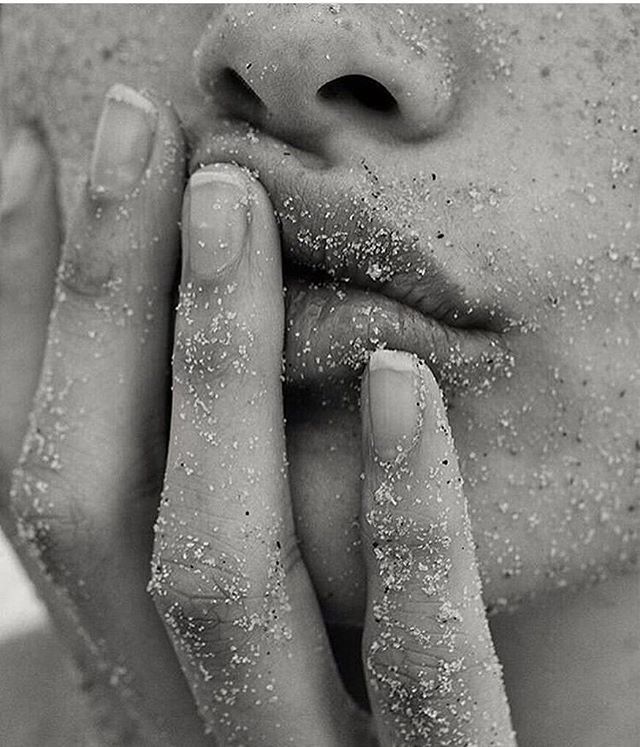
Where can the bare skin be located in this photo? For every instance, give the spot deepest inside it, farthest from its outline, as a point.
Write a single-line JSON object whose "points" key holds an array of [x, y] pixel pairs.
{"points": [[227, 577], [538, 234], [552, 498]]}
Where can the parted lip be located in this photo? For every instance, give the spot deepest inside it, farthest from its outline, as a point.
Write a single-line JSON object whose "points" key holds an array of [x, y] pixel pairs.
{"points": [[355, 279]]}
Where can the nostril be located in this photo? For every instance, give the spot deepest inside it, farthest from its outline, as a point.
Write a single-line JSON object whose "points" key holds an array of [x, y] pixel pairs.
{"points": [[359, 90], [240, 100]]}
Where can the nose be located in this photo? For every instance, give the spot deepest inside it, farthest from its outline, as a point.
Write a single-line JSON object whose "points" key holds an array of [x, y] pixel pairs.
{"points": [[303, 73]]}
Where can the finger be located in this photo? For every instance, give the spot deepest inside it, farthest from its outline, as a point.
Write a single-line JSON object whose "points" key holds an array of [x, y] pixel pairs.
{"points": [[86, 493], [29, 252], [228, 578], [432, 673]]}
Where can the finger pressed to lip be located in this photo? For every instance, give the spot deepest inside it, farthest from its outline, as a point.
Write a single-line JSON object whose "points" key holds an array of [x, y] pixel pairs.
{"points": [[227, 575], [331, 330], [390, 290]]}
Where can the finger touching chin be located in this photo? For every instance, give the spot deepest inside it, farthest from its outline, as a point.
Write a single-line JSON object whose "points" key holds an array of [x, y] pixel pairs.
{"points": [[431, 669]]}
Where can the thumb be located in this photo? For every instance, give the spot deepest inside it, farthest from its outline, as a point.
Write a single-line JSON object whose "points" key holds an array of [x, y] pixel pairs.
{"points": [[432, 672]]}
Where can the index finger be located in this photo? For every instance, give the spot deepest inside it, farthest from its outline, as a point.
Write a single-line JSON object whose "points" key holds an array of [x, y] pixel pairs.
{"points": [[228, 578], [433, 675]]}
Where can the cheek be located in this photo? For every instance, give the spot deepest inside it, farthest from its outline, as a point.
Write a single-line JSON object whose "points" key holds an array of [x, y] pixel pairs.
{"points": [[551, 459], [60, 63]]}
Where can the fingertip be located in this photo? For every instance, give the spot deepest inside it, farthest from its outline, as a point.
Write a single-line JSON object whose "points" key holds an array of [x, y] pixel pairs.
{"points": [[263, 233], [230, 322], [138, 136], [230, 234], [124, 233], [401, 401], [230, 172], [392, 405], [168, 159], [215, 222]]}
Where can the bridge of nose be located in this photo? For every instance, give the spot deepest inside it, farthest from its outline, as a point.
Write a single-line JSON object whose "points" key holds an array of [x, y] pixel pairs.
{"points": [[303, 72]]}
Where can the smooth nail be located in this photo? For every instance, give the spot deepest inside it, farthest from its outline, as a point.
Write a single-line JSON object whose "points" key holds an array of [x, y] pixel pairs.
{"points": [[21, 169], [395, 407], [218, 220], [123, 141]]}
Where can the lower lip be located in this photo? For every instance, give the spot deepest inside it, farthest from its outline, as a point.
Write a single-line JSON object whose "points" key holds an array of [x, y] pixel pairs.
{"points": [[332, 329]]}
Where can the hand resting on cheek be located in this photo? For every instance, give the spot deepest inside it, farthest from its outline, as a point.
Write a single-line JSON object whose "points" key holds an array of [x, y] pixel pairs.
{"points": [[103, 461]]}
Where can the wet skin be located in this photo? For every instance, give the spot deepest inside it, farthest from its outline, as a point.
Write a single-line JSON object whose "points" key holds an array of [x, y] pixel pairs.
{"points": [[501, 197]]}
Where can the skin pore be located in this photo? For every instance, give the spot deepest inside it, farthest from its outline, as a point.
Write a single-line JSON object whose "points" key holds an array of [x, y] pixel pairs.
{"points": [[525, 192]]}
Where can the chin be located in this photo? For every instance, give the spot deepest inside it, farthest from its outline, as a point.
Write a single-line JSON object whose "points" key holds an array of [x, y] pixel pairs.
{"points": [[543, 504]]}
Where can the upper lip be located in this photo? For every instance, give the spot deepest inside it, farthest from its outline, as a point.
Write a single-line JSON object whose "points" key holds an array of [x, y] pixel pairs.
{"points": [[337, 230], [340, 232]]}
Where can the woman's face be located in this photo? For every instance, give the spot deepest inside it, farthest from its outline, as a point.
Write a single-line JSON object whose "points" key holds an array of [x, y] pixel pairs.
{"points": [[475, 166]]}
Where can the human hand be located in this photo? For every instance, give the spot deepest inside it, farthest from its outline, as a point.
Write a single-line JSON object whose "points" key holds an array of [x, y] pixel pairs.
{"points": [[227, 573], [229, 580], [86, 493]]}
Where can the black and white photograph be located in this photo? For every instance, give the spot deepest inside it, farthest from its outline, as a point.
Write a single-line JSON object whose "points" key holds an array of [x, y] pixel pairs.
{"points": [[319, 375]]}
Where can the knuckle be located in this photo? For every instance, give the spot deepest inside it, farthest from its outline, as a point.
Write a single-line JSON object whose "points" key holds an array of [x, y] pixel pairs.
{"points": [[202, 599], [52, 523], [213, 602], [197, 578], [422, 684], [51, 531], [394, 656], [85, 273], [97, 257], [418, 684]]}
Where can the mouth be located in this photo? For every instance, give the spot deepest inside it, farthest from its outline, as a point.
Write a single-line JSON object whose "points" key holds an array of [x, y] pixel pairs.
{"points": [[358, 276]]}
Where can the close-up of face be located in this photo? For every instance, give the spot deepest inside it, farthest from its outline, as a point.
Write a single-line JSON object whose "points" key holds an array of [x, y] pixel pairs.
{"points": [[460, 182]]}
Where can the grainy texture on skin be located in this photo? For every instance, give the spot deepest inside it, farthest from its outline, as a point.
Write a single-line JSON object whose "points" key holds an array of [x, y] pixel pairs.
{"points": [[432, 672], [512, 218], [547, 233], [85, 491], [227, 577]]}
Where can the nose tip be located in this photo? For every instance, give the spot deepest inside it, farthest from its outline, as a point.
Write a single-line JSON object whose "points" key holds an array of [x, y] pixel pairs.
{"points": [[307, 72]]}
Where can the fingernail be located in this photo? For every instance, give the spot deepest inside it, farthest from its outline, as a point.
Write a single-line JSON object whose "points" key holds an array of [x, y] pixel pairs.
{"points": [[123, 141], [218, 216], [21, 169], [395, 407]]}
